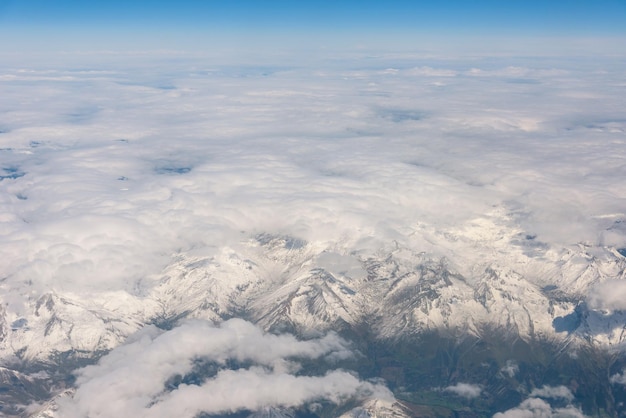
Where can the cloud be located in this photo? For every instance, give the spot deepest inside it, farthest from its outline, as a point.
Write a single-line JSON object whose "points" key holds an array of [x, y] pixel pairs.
{"points": [[253, 389], [426, 71], [610, 294], [538, 408], [465, 390], [511, 368], [619, 378], [512, 71], [169, 162], [534, 407], [132, 379], [554, 392], [105, 193]]}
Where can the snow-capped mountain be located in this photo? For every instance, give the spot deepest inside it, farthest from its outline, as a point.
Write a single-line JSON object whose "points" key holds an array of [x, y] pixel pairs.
{"points": [[287, 284], [299, 286]]}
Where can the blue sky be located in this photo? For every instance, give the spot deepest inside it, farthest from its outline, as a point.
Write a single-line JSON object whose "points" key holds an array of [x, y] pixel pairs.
{"points": [[65, 20]]}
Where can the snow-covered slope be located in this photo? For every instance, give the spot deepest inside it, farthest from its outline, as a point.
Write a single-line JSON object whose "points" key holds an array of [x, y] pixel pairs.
{"points": [[285, 283]]}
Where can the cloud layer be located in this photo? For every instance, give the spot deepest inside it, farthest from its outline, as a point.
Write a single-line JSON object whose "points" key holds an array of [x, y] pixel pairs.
{"points": [[132, 380], [98, 190], [112, 166]]}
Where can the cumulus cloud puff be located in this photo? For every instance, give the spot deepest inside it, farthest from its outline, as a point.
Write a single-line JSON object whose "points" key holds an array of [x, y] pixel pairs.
{"points": [[536, 407], [554, 392], [610, 294], [465, 390], [132, 379], [619, 378], [511, 368]]}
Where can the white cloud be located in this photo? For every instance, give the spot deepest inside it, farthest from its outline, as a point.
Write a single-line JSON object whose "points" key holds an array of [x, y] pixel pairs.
{"points": [[131, 380], [513, 71], [610, 294], [554, 392], [534, 407], [510, 368], [538, 408], [255, 388], [619, 378], [466, 390], [151, 164], [432, 72]]}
